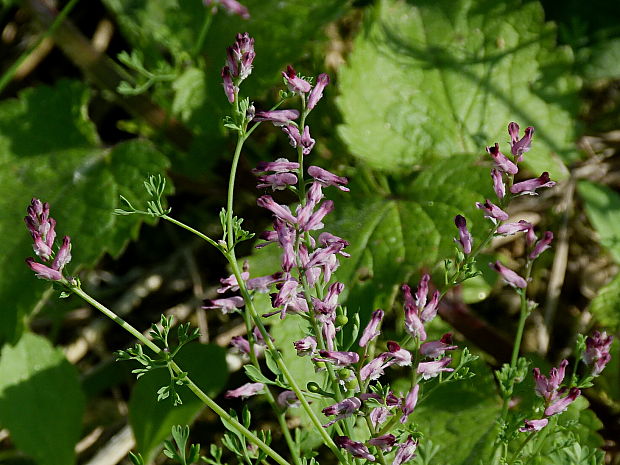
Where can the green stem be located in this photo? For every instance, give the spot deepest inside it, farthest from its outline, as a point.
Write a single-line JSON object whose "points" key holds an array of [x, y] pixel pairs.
{"points": [[8, 75], [192, 386], [231, 192], [190, 229], [202, 37]]}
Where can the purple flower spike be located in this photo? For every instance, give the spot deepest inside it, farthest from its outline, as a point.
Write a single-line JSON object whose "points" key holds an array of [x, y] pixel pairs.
{"points": [[240, 55], [509, 276], [356, 449], [371, 331], [501, 161], [492, 211], [508, 229], [247, 390], [534, 425], [547, 388], [295, 83], [597, 351], [317, 92], [519, 146], [464, 236], [432, 369], [562, 404], [541, 245], [328, 179], [385, 442], [409, 403], [227, 305], [231, 6], [498, 183], [277, 117], [276, 181], [406, 451], [43, 271], [530, 186], [342, 409]]}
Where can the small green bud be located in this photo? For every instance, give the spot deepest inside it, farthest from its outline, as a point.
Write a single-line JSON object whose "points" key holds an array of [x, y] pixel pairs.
{"points": [[313, 387], [351, 383], [344, 373], [320, 365], [341, 320]]}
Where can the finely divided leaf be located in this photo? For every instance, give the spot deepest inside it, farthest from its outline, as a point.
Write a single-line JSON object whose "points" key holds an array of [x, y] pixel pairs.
{"points": [[433, 77]]}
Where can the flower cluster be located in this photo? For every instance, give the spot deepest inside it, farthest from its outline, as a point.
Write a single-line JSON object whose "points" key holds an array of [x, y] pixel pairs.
{"points": [[42, 228], [239, 59], [502, 175]]}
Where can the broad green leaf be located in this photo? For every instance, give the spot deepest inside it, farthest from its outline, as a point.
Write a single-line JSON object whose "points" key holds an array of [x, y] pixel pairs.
{"points": [[460, 417], [602, 205], [394, 237], [41, 402], [151, 421], [49, 150], [606, 305], [433, 77], [604, 62]]}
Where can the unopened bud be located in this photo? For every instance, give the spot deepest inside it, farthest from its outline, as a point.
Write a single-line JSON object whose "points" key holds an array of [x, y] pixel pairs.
{"points": [[341, 320], [313, 387]]}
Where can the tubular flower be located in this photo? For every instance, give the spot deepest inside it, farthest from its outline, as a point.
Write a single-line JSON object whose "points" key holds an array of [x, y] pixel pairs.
{"points": [[406, 451], [502, 162], [464, 236], [281, 165], [559, 405], [341, 359], [277, 117], [432, 369], [295, 83], [231, 6], [226, 305], [530, 186], [492, 211], [305, 346], [498, 183], [297, 139], [409, 403], [508, 229], [276, 181], [509, 276], [384, 442], [247, 390], [342, 409], [547, 388], [356, 449], [541, 245], [533, 425], [436, 349], [317, 91], [519, 146], [240, 56], [371, 331], [328, 179]]}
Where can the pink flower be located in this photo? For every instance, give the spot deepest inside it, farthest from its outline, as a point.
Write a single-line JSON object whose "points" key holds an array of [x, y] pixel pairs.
{"points": [[317, 92], [288, 399], [432, 369], [502, 162], [371, 331], [340, 359], [509, 276], [464, 236], [356, 449], [280, 211], [328, 179], [43, 271], [384, 442], [534, 425], [295, 83], [276, 181], [541, 245], [247, 390], [547, 388], [597, 351], [409, 403], [230, 89], [559, 405], [277, 117], [530, 186], [342, 409], [519, 146], [436, 349], [498, 183], [305, 346], [406, 451], [227, 305], [492, 211], [231, 6], [509, 229], [281, 165]]}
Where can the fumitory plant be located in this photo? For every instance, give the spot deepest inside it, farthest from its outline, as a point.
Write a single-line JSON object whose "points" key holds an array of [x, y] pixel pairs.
{"points": [[372, 378]]}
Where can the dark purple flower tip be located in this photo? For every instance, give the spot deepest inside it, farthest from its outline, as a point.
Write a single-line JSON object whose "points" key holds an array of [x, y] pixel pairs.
{"points": [[509, 276], [317, 92], [530, 186], [384, 442], [356, 449], [465, 238], [541, 245], [561, 404], [277, 117], [305, 346], [295, 83], [492, 211]]}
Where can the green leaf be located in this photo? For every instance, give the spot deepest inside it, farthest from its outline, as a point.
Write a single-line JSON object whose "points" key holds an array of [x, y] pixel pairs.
{"points": [[190, 93], [48, 149], [393, 237], [604, 62], [602, 205], [460, 418], [434, 77], [152, 421], [41, 402], [606, 305]]}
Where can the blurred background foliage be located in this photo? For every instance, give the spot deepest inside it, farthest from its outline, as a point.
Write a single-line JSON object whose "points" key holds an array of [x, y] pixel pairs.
{"points": [[121, 89]]}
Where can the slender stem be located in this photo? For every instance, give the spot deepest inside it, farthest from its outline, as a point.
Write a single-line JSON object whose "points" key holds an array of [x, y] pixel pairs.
{"points": [[231, 192], [192, 386], [200, 43], [192, 230], [515, 454], [8, 75]]}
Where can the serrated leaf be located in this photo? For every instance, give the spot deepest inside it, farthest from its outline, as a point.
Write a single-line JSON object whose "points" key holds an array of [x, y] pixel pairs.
{"points": [[62, 165], [41, 402], [602, 205], [431, 78], [150, 420], [393, 238]]}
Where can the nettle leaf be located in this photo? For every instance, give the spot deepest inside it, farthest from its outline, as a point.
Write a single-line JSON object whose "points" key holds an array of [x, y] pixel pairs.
{"points": [[49, 149], [41, 402], [435, 77], [602, 206], [393, 238], [151, 420]]}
